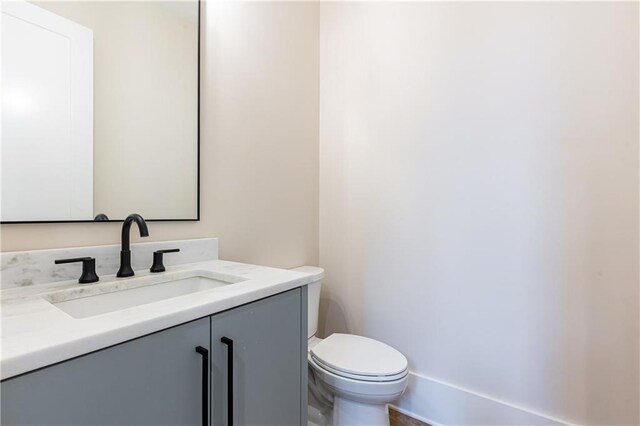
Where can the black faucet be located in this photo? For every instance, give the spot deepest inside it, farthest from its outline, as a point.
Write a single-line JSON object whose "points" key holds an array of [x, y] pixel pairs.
{"points": [[125, 252]]}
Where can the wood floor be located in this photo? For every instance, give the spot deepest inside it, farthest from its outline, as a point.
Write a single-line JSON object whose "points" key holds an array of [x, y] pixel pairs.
{"points": [[396, 418]]}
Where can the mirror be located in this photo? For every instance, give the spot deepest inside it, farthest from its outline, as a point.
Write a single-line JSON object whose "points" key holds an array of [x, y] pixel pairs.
{"points": [[99, 110]]}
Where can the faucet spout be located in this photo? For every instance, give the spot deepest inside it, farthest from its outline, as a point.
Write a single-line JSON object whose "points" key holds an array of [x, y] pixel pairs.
{"points": [[126, 229], [125, 251]]}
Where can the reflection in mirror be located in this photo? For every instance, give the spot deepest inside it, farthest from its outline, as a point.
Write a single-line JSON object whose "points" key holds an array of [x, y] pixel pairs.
{"points": [[99, 110]]}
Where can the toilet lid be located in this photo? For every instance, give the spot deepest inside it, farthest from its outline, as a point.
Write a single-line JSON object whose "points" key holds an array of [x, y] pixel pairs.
{"points": [[360, 356]]}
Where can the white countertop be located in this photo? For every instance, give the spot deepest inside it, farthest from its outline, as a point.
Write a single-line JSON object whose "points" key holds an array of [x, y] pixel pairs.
{"points": [[35, 333]]}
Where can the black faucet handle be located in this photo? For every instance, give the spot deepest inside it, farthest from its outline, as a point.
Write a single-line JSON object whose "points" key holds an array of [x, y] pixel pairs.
{"points": [[88, 268], [158, 265]]}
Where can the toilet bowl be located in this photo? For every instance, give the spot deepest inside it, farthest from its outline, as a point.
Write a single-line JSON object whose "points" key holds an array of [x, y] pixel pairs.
{"points": [[351, 378]]}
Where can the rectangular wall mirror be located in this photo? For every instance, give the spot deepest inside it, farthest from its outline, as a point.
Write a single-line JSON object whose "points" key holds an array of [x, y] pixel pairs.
{"points": [[100, 109]]}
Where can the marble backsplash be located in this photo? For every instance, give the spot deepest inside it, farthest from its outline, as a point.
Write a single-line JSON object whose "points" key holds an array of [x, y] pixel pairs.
{"points": [[23, 268]]}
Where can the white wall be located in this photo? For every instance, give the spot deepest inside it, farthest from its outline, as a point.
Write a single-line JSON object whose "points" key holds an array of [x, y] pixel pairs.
{"points": [[479, 202], [259, 146]]}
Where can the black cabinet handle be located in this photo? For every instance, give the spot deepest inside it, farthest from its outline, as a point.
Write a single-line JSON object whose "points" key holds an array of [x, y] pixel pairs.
{"points": [[205, 384], [229, 344]]}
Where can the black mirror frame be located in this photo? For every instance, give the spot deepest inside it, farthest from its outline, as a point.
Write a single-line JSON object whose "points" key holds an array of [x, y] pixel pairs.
{"points": [[197, 218]]}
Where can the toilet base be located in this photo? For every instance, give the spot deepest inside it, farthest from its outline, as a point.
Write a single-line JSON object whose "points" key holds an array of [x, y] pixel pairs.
{"points": [[352, 413]]}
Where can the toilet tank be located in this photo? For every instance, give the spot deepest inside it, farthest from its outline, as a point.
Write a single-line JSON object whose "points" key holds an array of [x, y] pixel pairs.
{"points": [[313, 296]]}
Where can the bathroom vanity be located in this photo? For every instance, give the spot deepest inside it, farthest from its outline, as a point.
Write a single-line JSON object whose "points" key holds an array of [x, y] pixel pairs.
{"points": [[128, 341], [228, 347]]}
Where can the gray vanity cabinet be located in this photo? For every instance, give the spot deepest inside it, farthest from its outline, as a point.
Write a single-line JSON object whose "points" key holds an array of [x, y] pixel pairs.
{"points": [[158, 379], [153, 380], [266, 344]]}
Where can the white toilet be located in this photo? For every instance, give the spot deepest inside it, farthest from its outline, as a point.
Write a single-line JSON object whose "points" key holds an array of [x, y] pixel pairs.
{"points": [[351, 378]]}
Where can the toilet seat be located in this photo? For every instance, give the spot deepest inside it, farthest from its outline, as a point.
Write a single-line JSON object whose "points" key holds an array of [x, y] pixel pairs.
{"points": [[359, 358], [361, 378], [369, 392]]}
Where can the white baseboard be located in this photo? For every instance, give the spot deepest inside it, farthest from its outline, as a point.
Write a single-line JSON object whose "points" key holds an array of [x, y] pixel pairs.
{"points": [[438, 403]]}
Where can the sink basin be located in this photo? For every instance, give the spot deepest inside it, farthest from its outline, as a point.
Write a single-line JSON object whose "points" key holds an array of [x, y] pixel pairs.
{"points": [[118, 295]]}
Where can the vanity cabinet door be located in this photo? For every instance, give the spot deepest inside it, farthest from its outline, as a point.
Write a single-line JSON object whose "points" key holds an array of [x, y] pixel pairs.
{"points": [[153, 380], [266, 342]]}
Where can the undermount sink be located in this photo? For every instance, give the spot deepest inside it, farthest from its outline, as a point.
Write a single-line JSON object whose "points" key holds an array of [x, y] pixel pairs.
{"points": [[114, 296]]}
